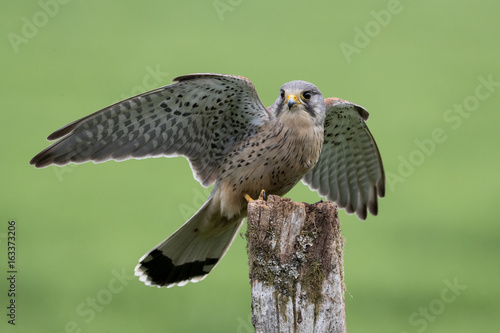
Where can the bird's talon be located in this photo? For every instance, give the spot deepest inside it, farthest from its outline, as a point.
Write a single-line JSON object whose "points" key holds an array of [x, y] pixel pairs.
{"points": [[262, 195], [248, 198]]}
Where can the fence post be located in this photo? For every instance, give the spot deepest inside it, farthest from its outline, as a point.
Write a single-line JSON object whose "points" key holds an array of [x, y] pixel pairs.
{"points": [[295, 253]]}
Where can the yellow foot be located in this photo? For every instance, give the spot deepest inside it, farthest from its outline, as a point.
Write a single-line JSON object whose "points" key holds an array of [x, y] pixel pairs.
{"points": [[262, 196]]}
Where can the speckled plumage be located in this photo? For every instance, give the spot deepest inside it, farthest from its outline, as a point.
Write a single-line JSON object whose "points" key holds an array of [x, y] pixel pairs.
{"points": [[219, 124]]}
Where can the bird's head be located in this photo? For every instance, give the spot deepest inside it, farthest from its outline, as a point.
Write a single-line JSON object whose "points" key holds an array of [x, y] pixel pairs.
{"points": [[300, 101]]}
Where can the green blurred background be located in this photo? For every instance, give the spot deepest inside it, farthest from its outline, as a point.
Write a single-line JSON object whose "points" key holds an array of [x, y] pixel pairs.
{"points": [[430, 262]]}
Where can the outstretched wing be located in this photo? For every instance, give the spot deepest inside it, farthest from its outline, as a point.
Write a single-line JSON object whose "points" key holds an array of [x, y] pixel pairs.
{"points": [[199, 117], [349, 170]]}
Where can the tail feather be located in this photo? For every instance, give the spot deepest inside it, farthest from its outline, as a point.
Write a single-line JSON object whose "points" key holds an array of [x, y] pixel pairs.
{"points": [[188, 255]]}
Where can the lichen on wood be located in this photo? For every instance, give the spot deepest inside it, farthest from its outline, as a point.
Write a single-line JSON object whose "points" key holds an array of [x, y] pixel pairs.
{"points": [[296, 266]]}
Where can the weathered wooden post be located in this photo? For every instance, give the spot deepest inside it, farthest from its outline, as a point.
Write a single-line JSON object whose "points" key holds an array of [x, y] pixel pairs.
{"points": [[295, 255]]}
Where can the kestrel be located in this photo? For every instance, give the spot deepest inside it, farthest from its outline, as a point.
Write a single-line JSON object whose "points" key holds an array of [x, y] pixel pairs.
{"points": [[232, 141]]}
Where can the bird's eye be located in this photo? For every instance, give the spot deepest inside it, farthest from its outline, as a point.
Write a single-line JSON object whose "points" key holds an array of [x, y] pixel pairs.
{"points": [[306, 95], [282, 94]]}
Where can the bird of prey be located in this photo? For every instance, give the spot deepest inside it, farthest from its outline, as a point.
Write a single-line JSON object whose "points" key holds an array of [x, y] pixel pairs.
{"points": [[232, 141]]}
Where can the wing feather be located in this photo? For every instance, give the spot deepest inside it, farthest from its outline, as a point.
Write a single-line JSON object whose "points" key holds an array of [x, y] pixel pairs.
{"points": [[349, 170], [200, 116]]}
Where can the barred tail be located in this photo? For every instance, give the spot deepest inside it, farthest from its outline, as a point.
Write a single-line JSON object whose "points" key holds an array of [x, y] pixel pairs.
{"points": [[188, 255]]}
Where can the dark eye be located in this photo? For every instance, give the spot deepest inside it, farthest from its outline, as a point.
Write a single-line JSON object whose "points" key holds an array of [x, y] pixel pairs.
{"points": [[282, 94], [306, 95]]}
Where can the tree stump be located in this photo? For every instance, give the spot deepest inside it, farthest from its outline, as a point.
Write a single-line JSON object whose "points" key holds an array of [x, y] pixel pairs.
{"points": [[295, 253]]}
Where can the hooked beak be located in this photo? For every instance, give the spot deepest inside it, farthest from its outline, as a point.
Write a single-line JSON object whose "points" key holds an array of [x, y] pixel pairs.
{"points": [[292, 100]]}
